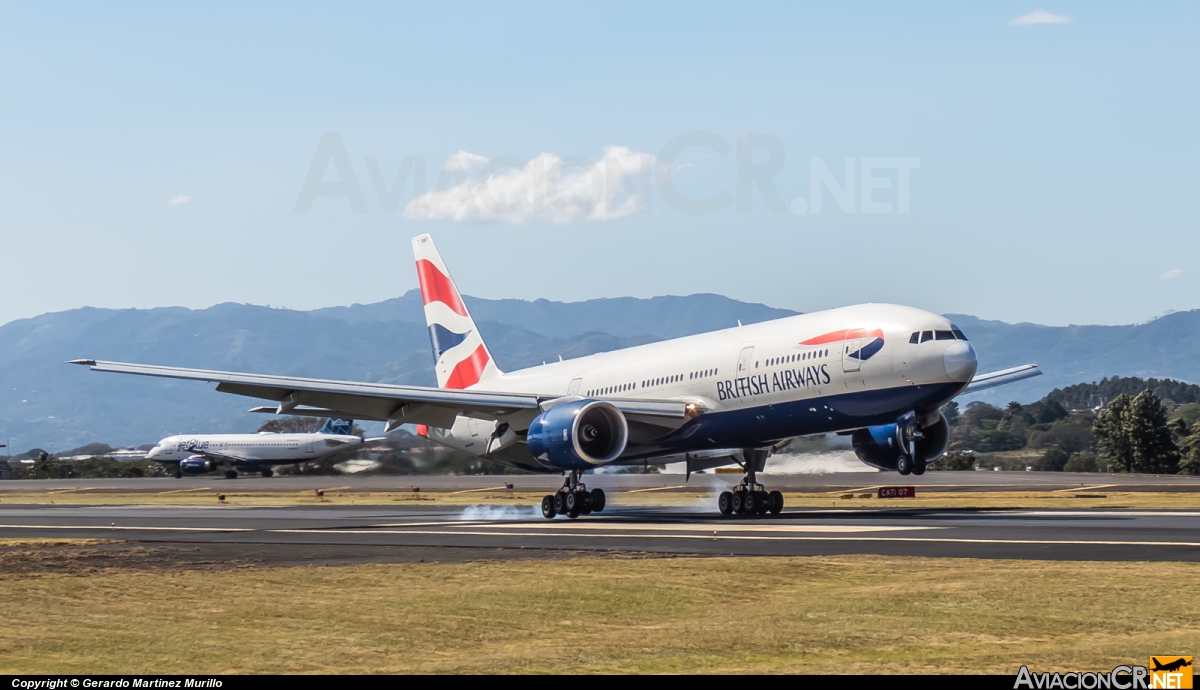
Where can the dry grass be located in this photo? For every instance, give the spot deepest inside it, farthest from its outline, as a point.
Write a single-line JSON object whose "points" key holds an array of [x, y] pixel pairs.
{"points": [[829, 614]]}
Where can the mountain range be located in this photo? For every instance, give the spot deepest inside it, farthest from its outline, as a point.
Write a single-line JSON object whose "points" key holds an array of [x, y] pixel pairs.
{"points": [[48, 404]]}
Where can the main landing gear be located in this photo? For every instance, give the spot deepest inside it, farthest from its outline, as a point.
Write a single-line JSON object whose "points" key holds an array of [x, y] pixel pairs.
{"points": [[573, 499], [912, 455], [750, 497]]}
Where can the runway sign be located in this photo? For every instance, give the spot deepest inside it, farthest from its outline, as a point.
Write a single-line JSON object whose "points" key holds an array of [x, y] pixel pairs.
{"points": [[897, 492]]}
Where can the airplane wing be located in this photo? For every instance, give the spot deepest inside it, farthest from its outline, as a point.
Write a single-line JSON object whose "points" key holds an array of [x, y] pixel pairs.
{"points": [[982, 382], [383, 402]]}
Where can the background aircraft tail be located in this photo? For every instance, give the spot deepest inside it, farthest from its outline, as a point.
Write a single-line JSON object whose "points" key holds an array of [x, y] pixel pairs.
{"points": [[337, 427], [461, 359]]}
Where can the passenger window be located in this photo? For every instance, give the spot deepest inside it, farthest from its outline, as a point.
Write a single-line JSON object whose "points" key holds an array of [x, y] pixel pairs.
{"points": [[945, 335], [926, 336], [916, 338]]}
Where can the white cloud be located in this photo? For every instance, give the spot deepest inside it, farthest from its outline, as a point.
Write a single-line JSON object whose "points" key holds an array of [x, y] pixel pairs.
{"points": [[1173, 273], [181, 199], [547, 187], [1040, 17]]}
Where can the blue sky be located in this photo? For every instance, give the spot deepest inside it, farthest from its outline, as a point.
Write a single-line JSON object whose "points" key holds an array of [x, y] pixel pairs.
{"points": [[1056, 159]]}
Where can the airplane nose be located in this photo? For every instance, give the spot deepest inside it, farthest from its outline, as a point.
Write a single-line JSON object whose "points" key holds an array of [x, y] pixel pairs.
{"points": [[960, 361]]}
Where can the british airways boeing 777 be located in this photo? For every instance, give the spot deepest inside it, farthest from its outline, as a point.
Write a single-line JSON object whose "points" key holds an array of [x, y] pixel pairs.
{"points": [[878, 372]]}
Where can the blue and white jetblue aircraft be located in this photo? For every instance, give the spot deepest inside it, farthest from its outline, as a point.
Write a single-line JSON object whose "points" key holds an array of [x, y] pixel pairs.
{"points": [[203, 453], [877, 372]]}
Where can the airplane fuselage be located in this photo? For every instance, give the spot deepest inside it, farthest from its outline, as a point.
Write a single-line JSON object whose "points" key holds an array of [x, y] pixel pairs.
{"points": [[246, 450], [760, 384]]}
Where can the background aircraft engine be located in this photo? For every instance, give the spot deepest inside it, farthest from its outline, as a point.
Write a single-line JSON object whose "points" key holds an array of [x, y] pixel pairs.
{"points": [[878, 445], [578, 435], [197, 464]]}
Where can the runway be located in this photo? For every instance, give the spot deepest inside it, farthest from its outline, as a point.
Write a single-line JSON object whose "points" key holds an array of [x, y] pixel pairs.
{"points": [[386, 533]]}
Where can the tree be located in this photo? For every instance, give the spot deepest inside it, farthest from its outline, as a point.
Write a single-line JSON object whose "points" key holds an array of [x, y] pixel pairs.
{"points": [[1190, 462], [1111, 431], [292, 425], [1054, 460], [1154, 451], [1069, 435], [950, 409]]}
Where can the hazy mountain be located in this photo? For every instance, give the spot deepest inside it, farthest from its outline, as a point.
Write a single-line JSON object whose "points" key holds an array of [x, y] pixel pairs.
{"points": [[46, 403]]}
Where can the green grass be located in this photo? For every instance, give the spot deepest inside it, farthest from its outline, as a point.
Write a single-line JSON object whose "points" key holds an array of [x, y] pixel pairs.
{"points": [[824, 615]]}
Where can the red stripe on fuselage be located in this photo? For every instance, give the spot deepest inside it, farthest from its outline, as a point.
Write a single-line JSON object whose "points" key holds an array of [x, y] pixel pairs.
{"points": [[437, 287], [468, 372], [838, 336]]}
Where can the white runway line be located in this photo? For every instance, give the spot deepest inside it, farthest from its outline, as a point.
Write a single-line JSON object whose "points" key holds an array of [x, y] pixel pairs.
{"points": [[757, 537], [139, 529], [650, 527]]}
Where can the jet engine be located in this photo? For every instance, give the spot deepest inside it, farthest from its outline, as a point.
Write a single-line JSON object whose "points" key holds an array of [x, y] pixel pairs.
{"points": [[885, 446], [196, 464], [578, 435]]}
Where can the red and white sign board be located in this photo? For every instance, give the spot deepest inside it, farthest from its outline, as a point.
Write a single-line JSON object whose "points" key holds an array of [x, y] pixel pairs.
{"points": [[897, 492]]}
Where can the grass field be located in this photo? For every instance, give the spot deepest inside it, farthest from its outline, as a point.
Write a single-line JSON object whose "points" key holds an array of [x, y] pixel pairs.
{"points": [[1094, 496], [827, 615]]}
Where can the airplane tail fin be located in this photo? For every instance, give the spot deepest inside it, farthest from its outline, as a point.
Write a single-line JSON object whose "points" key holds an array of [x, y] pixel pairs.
{"points": [[337, 427], [461, 359]]}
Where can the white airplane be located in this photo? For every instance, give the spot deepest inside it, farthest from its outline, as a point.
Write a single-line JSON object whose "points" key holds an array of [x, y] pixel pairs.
{"points": [[877, 372], [259, 452]]}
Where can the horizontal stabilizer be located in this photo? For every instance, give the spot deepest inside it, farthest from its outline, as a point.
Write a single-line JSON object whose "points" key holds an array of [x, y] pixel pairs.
{"points": [[983, 382]]}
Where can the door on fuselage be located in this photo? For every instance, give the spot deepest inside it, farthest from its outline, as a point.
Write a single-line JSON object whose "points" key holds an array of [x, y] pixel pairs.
{"points": [[851, 346], [743, 363]]}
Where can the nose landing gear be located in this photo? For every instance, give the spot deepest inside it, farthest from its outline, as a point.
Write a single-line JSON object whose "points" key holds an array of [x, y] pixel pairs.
{"points": [[573, 499], [750, 497]]}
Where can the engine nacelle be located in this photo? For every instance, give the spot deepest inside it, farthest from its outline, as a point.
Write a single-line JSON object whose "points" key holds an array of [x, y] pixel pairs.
{"points": [[578, 435], [196, 464], [879, 446]]}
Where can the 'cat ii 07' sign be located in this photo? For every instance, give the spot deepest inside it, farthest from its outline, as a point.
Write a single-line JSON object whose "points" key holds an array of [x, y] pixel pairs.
{"points": [[897, 492]]}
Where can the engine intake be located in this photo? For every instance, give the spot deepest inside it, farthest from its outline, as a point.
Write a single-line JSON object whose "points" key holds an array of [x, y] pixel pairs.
{"points": [[196, 464], [578, 435], [879, 446]]}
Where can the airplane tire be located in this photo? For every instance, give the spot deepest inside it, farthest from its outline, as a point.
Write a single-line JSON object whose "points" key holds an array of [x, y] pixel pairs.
{"points": [[725, 502], [267, 474], [231, 475], [572, 513], [918, 467], [548, 510], [178, 474], [585, 503], [572, 503], [904, 465], [775, 502], [560, 502], [750, 502], [762, 503], [739, 502], [598, 500]]}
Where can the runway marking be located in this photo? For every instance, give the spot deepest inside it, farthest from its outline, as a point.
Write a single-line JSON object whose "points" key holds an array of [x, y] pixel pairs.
{"points": [[138, 529], [735, 537], [492, 488], [659, 488], [697, 528], [1084, 488], [183, 491]]}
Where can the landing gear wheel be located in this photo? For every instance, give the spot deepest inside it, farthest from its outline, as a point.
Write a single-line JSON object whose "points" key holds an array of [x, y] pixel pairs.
{"points": [[178, 474], [764, 502], [725, 502], [560, 502], [918, 467], [267, 474], [598, 500], [572, 513], [739, 502], [775, 502], [585, 503], [230, 474], [750, 502], [572, 503], [548, 510], [904, 465]]}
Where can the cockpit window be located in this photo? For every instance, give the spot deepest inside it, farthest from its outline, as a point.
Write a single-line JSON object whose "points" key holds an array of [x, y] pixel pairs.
{"points": [[916, 338], [945, 335], [959, 334], [926, 336]]}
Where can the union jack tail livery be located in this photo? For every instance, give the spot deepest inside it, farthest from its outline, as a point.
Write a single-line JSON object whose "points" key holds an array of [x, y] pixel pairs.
{"points": [[461, 359]]}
